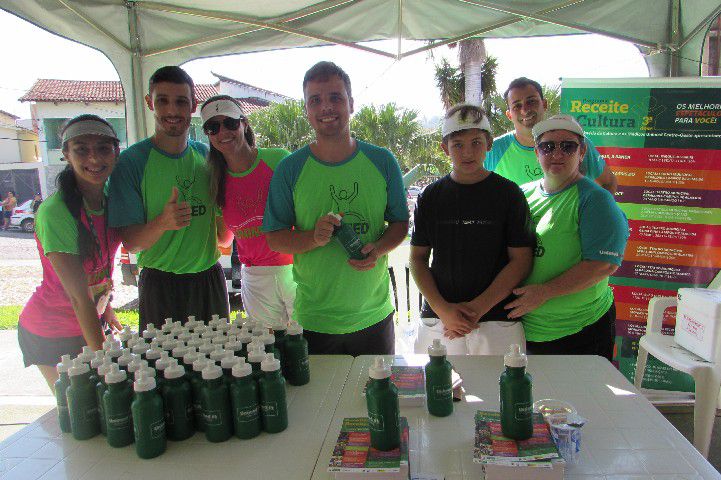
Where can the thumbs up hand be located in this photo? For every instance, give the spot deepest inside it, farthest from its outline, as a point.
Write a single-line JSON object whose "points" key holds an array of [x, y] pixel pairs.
{"points": [[175, 214]]}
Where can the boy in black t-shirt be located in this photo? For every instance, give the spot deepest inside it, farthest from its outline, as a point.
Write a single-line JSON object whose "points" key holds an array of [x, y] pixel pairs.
{"points": [[478, 226]]}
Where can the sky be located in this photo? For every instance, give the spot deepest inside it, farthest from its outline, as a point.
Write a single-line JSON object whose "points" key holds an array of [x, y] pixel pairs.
{"points": [[375, 79]]}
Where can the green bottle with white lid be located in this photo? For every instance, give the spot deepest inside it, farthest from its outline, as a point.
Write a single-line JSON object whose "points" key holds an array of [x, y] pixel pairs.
{"points": [[234, 345], [217, 354], [244, 400], [280, 333], [61, 387], [154, 352], [245, 336], [273, 404], [148, 418], [82, 402], [178, 403], [516, 397], [125, 335], [179, 352], [150, 332], [439, 383], [215, 404], [383, 407], [256, 354], [116, 404], [96, 361], [226, 363], [114, 350], [296, 366], [150, 373], [125, 358], [196, 386], [269, 344], [100, 388], [190, 356], [141, 348]]}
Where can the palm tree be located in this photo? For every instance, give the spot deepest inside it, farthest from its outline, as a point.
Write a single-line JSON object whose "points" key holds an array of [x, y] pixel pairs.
{"points": [[282, 125], [471, 56]]}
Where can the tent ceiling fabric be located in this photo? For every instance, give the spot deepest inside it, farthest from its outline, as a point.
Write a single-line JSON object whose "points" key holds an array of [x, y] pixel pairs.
{"points": [[174, 32]]}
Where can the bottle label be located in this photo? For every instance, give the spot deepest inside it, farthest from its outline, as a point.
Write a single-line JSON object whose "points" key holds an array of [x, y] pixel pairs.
{"points": [[91, 414], [212, 417], [157, 429], [442, 392], [375, 421], [522, 410], [247, 414], [270, 409], [119, 421]]}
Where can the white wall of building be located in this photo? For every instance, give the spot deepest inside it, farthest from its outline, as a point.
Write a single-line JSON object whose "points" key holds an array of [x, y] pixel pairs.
{"points": [[9, 148]]}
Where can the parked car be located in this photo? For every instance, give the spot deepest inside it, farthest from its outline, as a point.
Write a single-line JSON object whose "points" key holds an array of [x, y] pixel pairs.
{"points": [[23, 217], [413, 191]]}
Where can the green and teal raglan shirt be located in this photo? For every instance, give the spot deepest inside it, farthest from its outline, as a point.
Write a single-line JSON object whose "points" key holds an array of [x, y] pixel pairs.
{"points": [[519, 163], [581, 222], [367, 188], [141, 185]]}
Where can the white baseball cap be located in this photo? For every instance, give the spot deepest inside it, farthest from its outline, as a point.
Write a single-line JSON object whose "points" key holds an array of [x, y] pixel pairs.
{"points": [[557, 122], [455, 123], [221, 106]]}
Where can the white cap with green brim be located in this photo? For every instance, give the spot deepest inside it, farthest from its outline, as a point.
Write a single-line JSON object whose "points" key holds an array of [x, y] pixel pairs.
{"points": [[455, 123], [222, 106], [88, 127], [557, 122]]}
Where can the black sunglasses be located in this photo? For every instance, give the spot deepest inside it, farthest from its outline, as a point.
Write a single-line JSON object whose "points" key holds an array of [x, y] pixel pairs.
{"points": [[212, 127], [566, 146]]}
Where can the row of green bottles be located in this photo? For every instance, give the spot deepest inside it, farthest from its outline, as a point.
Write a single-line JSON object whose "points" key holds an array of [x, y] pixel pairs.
{"points": [[296, 368]]}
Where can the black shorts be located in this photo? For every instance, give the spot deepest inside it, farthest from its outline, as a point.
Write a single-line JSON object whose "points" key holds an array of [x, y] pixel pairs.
{"points": [[39, 350], [378, 339], [164, 294]]}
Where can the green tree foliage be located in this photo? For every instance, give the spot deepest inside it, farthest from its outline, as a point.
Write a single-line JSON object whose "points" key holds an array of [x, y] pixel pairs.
{"points": [[281, 125]]}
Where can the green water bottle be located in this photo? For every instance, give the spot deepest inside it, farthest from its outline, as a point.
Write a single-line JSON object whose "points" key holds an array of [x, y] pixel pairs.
{"points": [[348, 238], [125, 336], [148, 418], [100, 388], [234, 345], [136, 364], [141, 348], [82, 402], [226, 363], [217, 354], [154, 352], [383, 407], [114, 350], [196, 386], [245, 336], [178, 403], [273, 405], [296, 367], [244, 400], [190, 356], [439, 383], [279, 332], [150, 332], [256, 354], [116, 404], [151, 373], [125, 358], [61, 387], [215, 404], [95, 362], [269, 344], [516, 398]]}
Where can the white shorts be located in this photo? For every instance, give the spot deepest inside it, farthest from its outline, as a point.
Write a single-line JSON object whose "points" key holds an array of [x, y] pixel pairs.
{"points": [[490, 338], [268, 293]]}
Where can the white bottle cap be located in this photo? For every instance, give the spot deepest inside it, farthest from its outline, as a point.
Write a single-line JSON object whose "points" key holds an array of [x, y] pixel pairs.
{"points": [[174, 371], [280, 327], [338, 216], [295, 329], [268, 339], [215, 317], [65, 364], [190, 356], [228, 361], [150, 332], [163, 362], [233, 330], [437, 349], [133, 340], [200, 363], [219, 340], [180, 351], [379, 370], [97, 359], [147, 371], [223, 326], [79, 367], [270, 363], [256, 344], [191, 318], [514, 358], [140, 348], [137, 364], [126, 358], [241, 369], [200, 329], [86, 355], [169, 345], [185, 336], [125, 334], [258, 331], [144, 383], [154, 352], [255, 355], [115, 375], [104, 367], [108, 342], [233, 344], [239, 318], [115, 350], [245, 336], [211, 372]]}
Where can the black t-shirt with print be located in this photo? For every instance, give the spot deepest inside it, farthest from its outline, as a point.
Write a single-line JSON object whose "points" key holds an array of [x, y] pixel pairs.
{"points": [[469, 228]]}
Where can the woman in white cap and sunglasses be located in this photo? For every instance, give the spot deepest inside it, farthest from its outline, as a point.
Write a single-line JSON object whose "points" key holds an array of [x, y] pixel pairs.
{"points": [[71, 307], [566, 303], [240, 174]]}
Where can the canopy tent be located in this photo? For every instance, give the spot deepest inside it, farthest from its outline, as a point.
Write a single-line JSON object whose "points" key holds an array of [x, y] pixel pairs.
{"points": [[139, 36]]}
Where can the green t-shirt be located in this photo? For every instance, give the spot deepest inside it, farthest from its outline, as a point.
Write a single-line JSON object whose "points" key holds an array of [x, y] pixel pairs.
{"points": [[331, 296], [581, 222], [518, 163], [141, 185]]}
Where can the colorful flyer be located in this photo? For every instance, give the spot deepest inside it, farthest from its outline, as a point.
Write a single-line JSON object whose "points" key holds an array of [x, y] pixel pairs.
{"points": [[353, 452], [492, 446], [662, 139]]}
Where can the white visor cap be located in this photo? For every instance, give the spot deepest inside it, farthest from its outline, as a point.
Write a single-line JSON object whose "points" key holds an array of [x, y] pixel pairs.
{"points": [[455, 123], [88, 127], [222, 106], [557, 122]]}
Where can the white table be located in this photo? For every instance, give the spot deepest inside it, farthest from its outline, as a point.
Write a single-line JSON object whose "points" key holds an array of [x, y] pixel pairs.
{"points": [[625, 438], [41, 451]]}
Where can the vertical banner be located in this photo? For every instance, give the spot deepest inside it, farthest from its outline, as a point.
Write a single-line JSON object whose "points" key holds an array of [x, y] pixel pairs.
{"points": [[662, 139]]}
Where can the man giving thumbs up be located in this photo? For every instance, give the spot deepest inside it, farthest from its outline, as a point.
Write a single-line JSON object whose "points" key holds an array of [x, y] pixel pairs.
{"points": [[159, 199]]}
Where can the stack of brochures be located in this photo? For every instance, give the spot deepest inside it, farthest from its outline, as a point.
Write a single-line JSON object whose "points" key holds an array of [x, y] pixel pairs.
{"points": [[411, 385]]}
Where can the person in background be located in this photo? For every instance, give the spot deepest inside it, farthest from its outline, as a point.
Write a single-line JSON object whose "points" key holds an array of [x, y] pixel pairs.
{"points": [[37, 200], [8, 205], [478, 227], [512, 155], [71, 307], [160, 202], [566, 303], [240, 176]]}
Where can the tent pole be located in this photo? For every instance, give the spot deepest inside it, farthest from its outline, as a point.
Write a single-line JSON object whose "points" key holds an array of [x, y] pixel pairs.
{"points": [[136, 97], [675, 38], [400, 29]]}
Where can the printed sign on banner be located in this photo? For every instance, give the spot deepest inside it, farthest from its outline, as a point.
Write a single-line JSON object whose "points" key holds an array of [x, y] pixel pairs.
{"points": [[662, 139]]}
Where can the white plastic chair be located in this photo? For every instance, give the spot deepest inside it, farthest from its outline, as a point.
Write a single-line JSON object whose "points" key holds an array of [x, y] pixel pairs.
{"points": [[707, 375]]}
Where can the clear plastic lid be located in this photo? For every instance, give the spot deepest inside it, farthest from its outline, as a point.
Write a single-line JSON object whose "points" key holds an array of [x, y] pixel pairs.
{"points": [[270, 363], [79, 368], [144, 383], [65, 363], [437, 349], [241, 369], [211, 372], [379, 370], [515, 358], [174, 371], [115, 375]]}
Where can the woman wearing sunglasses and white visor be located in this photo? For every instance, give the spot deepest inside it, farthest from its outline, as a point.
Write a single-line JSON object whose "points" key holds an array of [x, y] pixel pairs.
{"points": [[240, 176], [566, 303]]}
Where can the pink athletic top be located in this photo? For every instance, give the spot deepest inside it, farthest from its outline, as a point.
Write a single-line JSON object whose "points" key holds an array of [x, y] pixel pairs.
{"points": [[245, 197], [49, 312]]}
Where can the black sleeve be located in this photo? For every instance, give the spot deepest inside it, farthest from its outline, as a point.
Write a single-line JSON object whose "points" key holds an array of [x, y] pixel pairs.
{"points": [[420, 236], [520, 230]]}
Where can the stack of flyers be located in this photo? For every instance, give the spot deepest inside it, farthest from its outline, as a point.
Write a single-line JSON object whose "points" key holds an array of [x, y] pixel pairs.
{"points": [[411, 384]]}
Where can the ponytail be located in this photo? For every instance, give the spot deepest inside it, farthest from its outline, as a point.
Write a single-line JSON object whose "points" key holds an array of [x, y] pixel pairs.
{"points": [[68, 189]]}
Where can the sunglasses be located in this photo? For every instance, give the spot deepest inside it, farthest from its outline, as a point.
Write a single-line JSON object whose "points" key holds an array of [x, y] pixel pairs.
{"points": [[212, 127], [566, 146]]}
